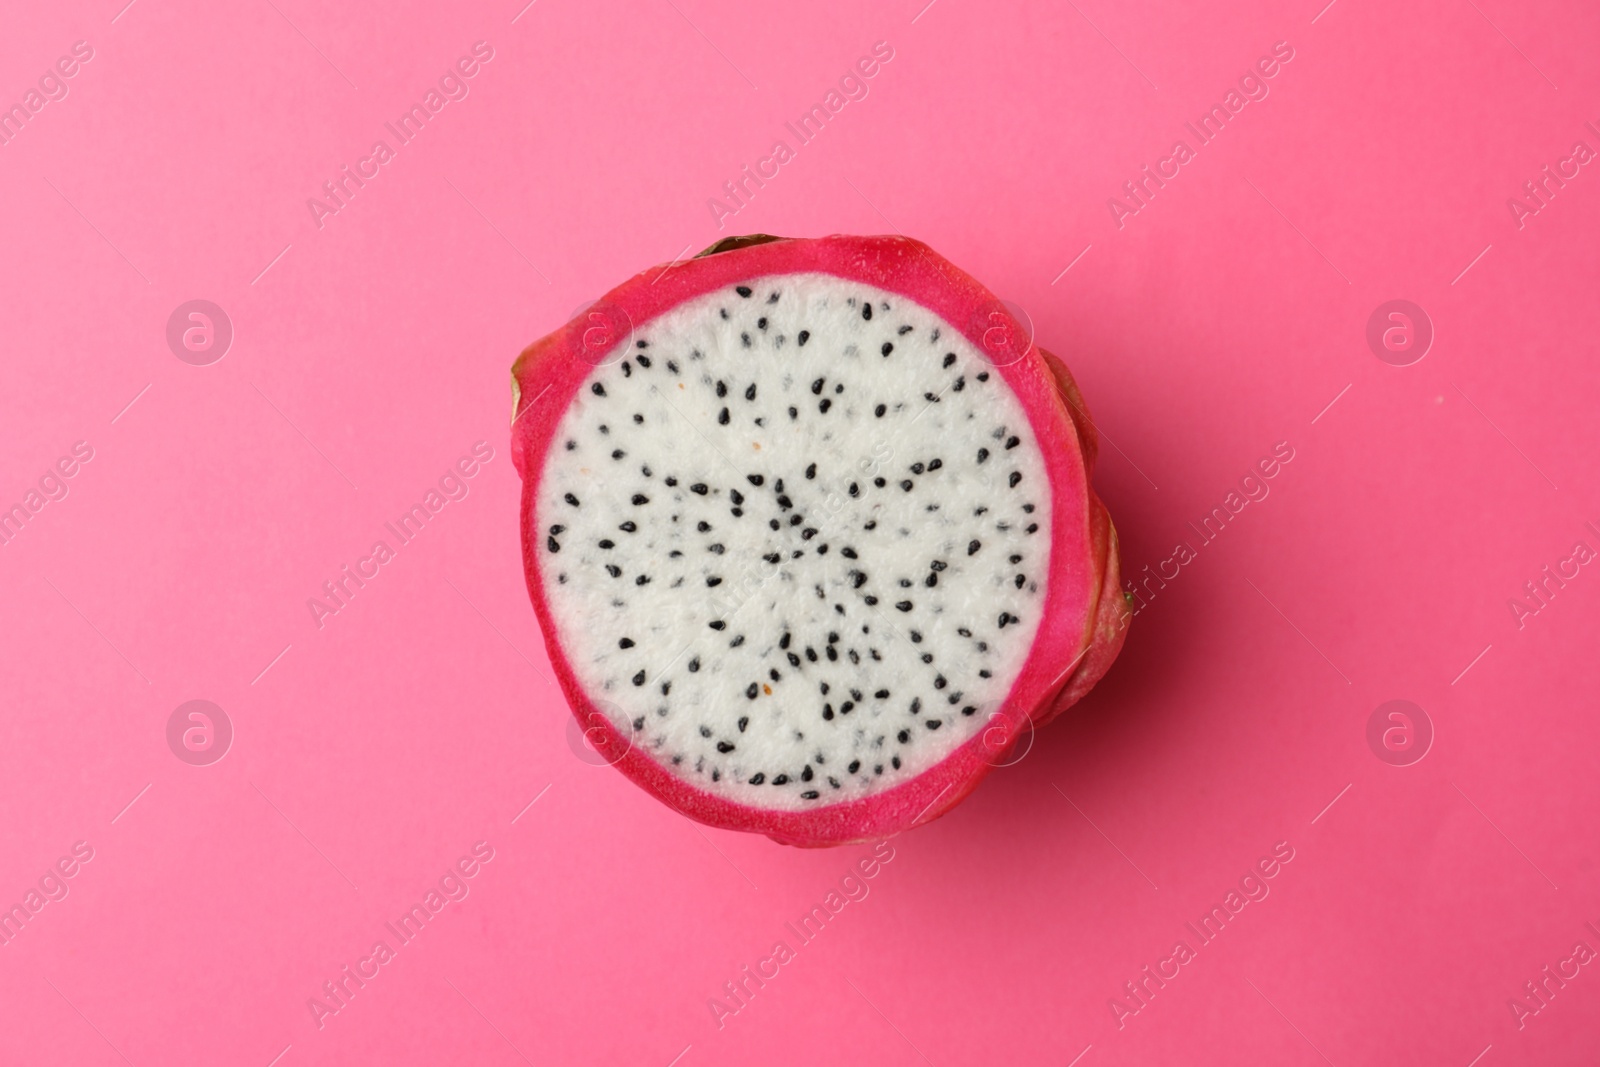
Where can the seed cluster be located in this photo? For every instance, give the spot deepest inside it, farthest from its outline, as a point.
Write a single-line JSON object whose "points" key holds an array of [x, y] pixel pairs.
{"points": [[798, 534]]}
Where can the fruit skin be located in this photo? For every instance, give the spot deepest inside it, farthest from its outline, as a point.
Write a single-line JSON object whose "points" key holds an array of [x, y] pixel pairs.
{"points": [[1085, 618]]}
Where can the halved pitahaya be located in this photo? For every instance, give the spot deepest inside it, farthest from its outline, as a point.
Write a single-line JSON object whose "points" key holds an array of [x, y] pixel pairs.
{"points": [[809, 530]]}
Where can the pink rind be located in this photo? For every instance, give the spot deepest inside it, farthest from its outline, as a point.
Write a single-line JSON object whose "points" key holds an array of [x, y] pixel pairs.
{"points": [[1073, 645]]}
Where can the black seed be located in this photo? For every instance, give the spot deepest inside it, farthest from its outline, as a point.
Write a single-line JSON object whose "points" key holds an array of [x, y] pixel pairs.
{"points": [[1033, 527], [808, 533], [805, 335], [916, 637], [638, 679], [904, 736], [638, 724], [949, 358], [626, 642], [571, 499], [933, 724], [722, 389], [983, 454], [927, 657], [713, 581], [879, 482], [827, 712], [774, 522], [597, 389], [742, 290], [640, 498], [1012, 442], [983, 377], [751, 690], [973, 546], [882, 694], [761, 323], [737, 512], [793, 413], [847, 552], [671, 481], [784, 502], [666, 687], [916, 705], [939, 681], [855, 765], [552, 545], [857, 579], [736, 642], [718, 624], [879, 410], [832, 653], [617, 453], [866, 311], [896, 762], [825, 405], [906, 484], [644, 361], [724, 746], [811, 654], [694, 665], [931, 580], [773, 558], [1005, 618], [960, 384], [614, 570], [722, 416], [871, 601], [1020, 581], [816, 387], [904, 605], [757, 779], [717, 549], [887, 348], [606, 543], [847, 707], [917, 468], [806, 775], [855, 490], [794, 660], [699, 488], [750, 392], [643, 579], [809, 794]]}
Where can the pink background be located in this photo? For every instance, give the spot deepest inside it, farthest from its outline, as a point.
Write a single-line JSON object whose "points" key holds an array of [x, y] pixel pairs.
{"points": [[369, 354]]}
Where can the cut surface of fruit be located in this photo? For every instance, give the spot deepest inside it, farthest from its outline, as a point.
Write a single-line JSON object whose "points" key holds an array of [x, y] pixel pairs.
{"points": [[808, 528]]}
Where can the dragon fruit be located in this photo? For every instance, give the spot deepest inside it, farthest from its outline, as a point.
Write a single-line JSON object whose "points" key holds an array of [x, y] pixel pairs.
{"points": [[808, 527]]}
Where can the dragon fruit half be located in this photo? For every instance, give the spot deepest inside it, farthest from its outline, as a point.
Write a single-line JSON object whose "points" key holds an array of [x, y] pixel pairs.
{"points": [[808, 526]]}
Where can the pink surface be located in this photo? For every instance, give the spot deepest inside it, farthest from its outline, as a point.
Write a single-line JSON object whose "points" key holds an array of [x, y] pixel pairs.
{"points": [[368, 756]]}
